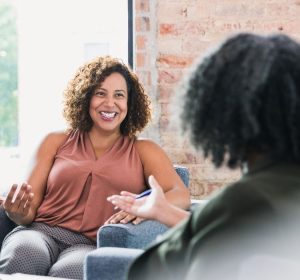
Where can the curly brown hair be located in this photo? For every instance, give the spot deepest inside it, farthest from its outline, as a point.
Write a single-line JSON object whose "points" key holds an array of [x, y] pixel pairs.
{"points": [[79, 91]]}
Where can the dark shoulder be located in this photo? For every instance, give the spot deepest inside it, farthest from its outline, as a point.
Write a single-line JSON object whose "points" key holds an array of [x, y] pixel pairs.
{"points": [[241, 199]]}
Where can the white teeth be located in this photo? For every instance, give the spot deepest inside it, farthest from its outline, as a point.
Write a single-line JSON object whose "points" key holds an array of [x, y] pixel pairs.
{"points": [[108, 115]]}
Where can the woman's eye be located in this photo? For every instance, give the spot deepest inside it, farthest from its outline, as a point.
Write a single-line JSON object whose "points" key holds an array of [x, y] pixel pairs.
{"points": [[120, 94], [99, 93]]}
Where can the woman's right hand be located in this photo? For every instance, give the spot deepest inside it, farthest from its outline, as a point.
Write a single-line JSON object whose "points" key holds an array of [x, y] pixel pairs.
{"points": [[18, 202], [155, 206], [147, 207]]}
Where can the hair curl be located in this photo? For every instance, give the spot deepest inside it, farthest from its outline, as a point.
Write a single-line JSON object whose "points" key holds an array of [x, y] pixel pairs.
{"points": [[245, 98], [79, 91]]}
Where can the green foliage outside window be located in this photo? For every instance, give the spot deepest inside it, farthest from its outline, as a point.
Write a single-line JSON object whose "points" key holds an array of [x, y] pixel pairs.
{"points": [[8, 76]]}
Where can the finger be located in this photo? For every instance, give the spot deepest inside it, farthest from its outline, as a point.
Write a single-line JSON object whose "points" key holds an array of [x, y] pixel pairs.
{"points": [[138, 220], [25, 197], [153, 183], [118, 218], [12, 192], [127, 219], [114, 219], [22, 191], [28, 203], [123, 204], [9, 199], [109, 219], [123, 207], [125, 193], [117, 199], [121, 198]]}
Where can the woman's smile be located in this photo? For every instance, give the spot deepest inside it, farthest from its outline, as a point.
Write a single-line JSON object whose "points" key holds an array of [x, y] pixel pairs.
{"points": [[109, 101]]}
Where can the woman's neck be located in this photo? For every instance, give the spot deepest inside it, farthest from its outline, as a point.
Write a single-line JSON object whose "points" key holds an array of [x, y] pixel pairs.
{"points": [[102, 141]]}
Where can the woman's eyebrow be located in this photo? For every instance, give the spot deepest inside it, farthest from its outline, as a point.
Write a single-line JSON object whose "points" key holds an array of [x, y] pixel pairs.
{"points": [[100, 88], [123, 90]]}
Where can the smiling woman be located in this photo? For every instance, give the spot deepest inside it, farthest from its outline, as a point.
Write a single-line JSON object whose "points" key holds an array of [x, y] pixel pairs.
{"points": [[52, 50], [63, 201], [108, 106]]}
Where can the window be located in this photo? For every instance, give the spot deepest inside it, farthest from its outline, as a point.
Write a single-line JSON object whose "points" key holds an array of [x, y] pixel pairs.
{"points": [[8, 76], [46, 41]]}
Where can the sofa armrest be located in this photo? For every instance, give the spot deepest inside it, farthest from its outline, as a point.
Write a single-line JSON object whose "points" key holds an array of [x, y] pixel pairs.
{"points": [[109, 263], [129, 235]]}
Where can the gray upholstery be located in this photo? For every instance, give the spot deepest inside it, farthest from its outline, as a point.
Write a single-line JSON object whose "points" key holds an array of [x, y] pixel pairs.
{"points": [[129, 235], [135, 236], [109, 263], [118, 243]]}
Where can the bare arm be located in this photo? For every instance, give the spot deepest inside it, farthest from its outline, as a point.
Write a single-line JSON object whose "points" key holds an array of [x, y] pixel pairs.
{"points": [[156, 162], [21, 205], [155, 206]]}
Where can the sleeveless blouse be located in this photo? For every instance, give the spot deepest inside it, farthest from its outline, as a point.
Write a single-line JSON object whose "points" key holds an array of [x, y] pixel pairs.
{"points": [[79, 183]]}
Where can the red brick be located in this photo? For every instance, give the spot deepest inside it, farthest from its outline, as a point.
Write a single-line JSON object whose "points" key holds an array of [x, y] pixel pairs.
{"points": [[140, 42], [142, 24], [144, 77], [164, 93], [167, 28], [142, 6], [164, 43], [182, 29], [173, 61], [169, 76], [163, 123], [164, 109], [194, 46], [277, 10], [179, 31], [172, 11], [140, 59]]}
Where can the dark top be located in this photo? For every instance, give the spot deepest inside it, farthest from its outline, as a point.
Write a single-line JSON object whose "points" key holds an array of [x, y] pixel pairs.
{"points": [[257, 216]]}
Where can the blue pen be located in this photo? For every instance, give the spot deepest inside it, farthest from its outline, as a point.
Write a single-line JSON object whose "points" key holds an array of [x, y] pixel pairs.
{"points": [[145, 193]]}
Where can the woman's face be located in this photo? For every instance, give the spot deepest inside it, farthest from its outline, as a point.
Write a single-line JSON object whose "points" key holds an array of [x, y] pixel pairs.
{"points": [[108, 106]]}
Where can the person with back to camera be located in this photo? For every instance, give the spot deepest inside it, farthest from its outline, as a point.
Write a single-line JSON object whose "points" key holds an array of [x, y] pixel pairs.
{"points": [[242, 107], [63, 203]]}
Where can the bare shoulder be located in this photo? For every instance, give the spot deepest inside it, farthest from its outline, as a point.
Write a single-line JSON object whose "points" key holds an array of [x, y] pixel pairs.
{"points": [[149, 150], [146, 145], [52, 141], [56, 136]]}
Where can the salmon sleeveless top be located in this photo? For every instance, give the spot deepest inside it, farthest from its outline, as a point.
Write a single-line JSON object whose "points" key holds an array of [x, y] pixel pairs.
{"points": [[79, 183]]}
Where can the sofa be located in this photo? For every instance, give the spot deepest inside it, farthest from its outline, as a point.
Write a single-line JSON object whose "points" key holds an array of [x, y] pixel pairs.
{"points": [[119, 244]]}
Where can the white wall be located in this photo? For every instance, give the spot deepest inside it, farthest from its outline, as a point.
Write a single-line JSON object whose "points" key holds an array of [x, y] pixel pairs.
{"points": [[55, 38]]}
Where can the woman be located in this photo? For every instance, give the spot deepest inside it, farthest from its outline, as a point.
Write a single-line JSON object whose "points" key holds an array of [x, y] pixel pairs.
{"points": [[242, 107], [63, 203]]}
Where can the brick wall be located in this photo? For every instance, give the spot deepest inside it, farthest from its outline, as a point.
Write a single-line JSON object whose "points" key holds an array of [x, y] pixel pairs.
{"points": [[169, 36]]}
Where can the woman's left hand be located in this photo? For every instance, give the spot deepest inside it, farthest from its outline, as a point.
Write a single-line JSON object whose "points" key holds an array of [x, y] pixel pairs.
{"points": [[123, 217]]}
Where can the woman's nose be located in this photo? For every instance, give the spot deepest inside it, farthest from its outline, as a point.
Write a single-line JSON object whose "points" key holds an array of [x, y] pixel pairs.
{"points": [[109, 101]]}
